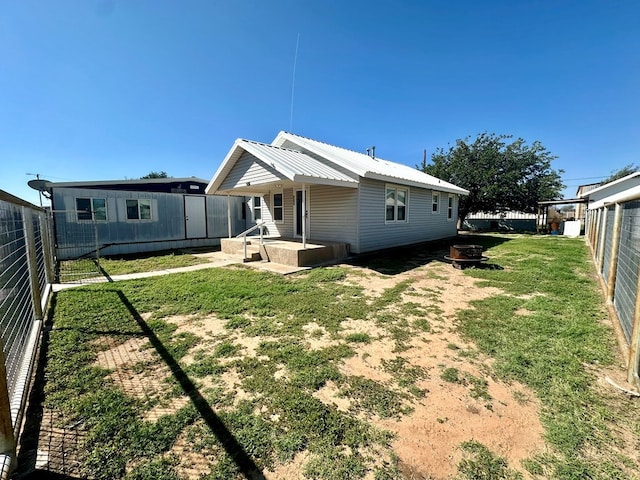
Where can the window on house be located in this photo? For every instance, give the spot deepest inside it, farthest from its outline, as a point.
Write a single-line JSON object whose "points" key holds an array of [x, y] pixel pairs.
{"points": [[450, 208], [257, 208], [396, 204], [435, 203], [91, 208], [278, 209], [138, 209]]}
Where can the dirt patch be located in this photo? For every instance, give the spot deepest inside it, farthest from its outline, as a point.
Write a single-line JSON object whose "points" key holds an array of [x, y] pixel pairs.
{"points": [[427, 441]]}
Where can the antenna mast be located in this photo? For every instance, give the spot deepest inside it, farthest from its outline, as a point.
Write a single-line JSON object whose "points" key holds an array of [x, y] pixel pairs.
{"points": [[293, 83]]}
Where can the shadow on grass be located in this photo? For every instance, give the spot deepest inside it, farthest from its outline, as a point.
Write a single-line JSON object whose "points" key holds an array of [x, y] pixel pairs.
{"points": [[394, 261], [243, 461], [62, 464]]}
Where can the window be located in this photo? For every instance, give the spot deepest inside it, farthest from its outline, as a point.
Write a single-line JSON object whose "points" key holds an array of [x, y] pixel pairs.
{"points": [[257, 208], [450, 208], [91, 208], [278, 210], [435, 205], [396, 204], [138, 209]]}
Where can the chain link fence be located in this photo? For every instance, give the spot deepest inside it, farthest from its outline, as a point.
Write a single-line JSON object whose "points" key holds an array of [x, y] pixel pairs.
{"points": [[26, 260]]}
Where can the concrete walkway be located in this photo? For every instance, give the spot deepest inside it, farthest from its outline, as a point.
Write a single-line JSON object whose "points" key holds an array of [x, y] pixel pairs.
{"points": [[215, 260]]}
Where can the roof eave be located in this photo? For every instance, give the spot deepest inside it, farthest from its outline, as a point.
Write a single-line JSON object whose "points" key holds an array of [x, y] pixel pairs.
{"points": [[413, 183]]}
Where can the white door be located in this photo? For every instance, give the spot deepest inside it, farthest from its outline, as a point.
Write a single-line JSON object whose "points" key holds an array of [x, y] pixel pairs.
{"points": [[195, 216]]}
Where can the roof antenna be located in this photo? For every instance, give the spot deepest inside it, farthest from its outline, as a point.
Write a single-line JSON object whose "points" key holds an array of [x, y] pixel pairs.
{"points": [[368, 152], [293, 83], [373, 152]]}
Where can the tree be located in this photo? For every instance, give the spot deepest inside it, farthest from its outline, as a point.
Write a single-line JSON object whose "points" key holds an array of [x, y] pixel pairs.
{"points": [[149, 175], [623, 172], [500, 176]]}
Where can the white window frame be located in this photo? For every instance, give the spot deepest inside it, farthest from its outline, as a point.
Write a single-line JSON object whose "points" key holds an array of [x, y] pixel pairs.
{"points": [[435, 202], [257, 208], [139, 217], [396, 189], [274, 207], [450, 205], [93, 210]]}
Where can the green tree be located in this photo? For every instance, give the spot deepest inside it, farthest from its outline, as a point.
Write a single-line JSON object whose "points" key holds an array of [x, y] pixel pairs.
{"points": [[500, 176], [161, 174], [623, 172]]}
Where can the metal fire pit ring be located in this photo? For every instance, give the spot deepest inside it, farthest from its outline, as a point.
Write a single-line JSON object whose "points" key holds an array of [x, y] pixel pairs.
{"points": [[462, 256], [461, 263]]}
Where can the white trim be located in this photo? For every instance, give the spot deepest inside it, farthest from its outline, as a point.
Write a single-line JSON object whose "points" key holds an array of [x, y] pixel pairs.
{"points": [[396, 189], [139, 219], [253, 208], [435, 195], [92, 211], [451, 203], [273, 206]]}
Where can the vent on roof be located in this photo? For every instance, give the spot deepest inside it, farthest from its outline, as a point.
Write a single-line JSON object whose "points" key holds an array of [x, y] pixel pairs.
{"points": [[373, 152]]}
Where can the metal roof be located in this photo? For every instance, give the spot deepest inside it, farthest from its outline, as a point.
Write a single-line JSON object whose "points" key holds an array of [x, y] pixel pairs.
{"points": [[368, 167], [605, 186], [294, 164], [303, 160]]}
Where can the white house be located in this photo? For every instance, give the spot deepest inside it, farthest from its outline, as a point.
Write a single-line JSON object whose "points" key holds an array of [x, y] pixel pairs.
{"points": [[306, 189]]}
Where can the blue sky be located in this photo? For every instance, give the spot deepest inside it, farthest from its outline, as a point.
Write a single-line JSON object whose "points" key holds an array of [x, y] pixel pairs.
{"points": [[114, 89]]}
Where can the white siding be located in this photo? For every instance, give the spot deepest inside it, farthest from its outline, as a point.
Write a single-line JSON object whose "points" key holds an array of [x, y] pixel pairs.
{"points": [[252, 170], [333, 214], [422, 224]]}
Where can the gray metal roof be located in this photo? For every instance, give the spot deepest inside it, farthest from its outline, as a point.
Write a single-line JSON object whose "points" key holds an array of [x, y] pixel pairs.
{"points": [[294, 164], [303, 160], [368, 167]]}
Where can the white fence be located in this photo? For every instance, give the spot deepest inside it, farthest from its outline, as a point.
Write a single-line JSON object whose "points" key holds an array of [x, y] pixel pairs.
{"points": [[26, 275]]}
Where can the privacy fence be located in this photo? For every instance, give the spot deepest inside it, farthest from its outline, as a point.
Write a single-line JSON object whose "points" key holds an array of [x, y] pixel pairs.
{"points": [[26, 275], [613, 231]]}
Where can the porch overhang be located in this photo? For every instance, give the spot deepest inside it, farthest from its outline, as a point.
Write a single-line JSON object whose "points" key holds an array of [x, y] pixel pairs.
{"points": [[289, 167]]}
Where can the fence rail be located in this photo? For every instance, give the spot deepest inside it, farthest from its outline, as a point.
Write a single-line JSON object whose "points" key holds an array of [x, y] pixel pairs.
{"points": [[26, 266], [613, 232]]}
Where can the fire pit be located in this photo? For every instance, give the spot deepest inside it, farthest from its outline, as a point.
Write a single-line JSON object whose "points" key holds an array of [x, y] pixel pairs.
{"points": [[462, 256]]}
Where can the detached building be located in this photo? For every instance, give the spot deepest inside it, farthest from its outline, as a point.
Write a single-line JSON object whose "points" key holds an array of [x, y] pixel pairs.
{"points": [[131, 216]]}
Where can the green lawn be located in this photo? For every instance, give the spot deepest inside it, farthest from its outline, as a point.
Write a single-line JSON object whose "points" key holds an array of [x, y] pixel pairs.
{"points": [[271, 416]]}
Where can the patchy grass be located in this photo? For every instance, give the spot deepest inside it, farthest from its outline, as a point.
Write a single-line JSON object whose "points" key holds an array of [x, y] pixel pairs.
{"points": [[552, 348], [256, 411]]}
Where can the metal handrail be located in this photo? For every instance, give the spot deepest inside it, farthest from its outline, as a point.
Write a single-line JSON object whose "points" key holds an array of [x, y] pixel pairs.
{"points": [[246, 232]]}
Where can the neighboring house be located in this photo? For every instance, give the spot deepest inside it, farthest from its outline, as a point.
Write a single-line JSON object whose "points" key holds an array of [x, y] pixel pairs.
{"points": [[306, 189], [504, 221], [132, 216]]}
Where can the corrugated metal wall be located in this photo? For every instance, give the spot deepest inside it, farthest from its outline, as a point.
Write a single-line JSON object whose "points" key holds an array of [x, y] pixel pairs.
{"points": [[117, 235]]}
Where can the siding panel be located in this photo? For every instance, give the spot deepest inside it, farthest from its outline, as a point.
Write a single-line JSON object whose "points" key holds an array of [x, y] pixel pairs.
{"points": [[250, 169], [422, 225], [333, 214]]}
